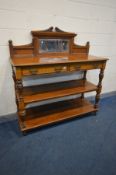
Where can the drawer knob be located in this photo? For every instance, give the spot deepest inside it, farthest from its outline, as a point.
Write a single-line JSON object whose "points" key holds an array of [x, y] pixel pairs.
{"points": [[59, 69], [64, 68]]}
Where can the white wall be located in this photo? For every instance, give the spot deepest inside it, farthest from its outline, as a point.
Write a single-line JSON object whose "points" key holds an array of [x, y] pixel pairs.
{"points": [[93, 20]]}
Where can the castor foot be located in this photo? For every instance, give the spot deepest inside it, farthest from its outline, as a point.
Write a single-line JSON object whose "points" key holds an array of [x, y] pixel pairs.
{"points": [[24, 133]]}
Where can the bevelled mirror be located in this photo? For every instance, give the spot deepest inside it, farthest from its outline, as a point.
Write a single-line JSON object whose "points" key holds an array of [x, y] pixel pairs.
{"points": [[53, 45]]}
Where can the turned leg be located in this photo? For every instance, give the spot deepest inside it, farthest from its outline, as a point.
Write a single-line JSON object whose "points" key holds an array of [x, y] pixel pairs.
{"points": [[21, 105], [24, 133], [99, 87], [14, 78], [84, 79]]}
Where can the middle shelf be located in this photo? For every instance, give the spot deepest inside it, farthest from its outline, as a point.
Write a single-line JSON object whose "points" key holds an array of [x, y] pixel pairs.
{"points": [[56, 90]]}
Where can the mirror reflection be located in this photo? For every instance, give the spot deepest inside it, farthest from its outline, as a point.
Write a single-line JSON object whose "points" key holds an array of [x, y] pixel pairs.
{"points": [[53, 45]]}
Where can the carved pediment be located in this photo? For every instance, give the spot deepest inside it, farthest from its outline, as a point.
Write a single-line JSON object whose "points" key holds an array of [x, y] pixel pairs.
{"points": [[52, 32]]}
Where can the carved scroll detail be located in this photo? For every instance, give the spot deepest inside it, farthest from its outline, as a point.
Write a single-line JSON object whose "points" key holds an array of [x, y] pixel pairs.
{"points": [[58, 30], [50, 29]]}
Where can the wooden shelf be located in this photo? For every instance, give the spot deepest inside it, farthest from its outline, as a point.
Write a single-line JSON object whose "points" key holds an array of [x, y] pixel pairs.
{"points": [[56, 90], [56, 112]]}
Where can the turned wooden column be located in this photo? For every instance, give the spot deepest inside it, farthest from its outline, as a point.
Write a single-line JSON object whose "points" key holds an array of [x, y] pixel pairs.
{"points": [[99, 87], [84, 80], [14, 78], [21, 105]]}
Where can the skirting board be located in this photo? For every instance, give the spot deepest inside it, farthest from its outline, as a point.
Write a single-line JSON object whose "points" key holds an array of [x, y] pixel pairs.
{"points": [[104, 95], [13, 116]]}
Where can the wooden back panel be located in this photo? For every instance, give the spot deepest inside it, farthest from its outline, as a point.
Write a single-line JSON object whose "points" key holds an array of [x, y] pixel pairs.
{"points": [[80, 49], [22, 50]]}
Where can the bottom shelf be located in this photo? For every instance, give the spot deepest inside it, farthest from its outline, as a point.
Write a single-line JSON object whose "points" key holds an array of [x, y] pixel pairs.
{"points": [[56, 112]]}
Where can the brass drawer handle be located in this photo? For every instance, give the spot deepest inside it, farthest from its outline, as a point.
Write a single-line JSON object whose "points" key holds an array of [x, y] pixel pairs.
{"points": [[77, 67], [33, 71], [59, 69]]}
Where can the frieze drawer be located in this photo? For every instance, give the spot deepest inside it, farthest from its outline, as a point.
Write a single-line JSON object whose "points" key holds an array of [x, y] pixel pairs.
{"points": [[86, 66], [44, 70]]}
